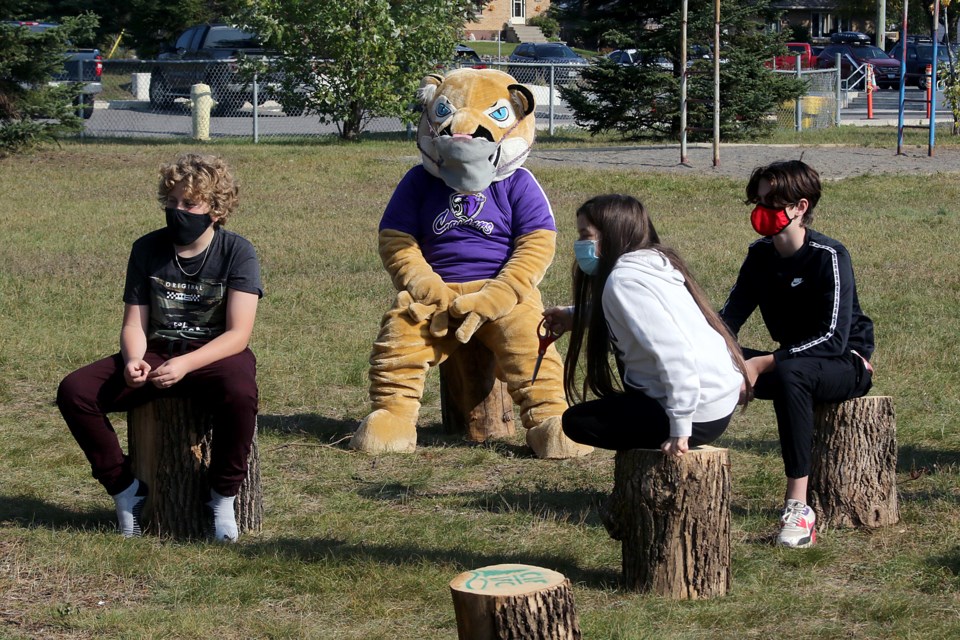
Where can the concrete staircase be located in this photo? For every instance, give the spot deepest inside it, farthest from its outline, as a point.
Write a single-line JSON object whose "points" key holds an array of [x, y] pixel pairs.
{"points": [[524, 33]]}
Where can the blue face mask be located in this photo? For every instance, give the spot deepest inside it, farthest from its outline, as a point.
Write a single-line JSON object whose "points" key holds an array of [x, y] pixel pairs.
{"points": [[586, 253]]}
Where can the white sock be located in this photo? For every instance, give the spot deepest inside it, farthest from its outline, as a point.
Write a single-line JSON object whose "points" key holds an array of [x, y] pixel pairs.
{"points": [[224, 518], [129, 504]]}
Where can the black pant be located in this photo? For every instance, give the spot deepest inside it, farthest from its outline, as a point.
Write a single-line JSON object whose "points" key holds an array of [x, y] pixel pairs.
{"points": [[630, 420], [795, 385], [227, 386]]}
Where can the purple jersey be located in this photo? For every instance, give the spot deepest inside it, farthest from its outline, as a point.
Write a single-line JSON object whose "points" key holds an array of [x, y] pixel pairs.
{"points": [[467, 237]]}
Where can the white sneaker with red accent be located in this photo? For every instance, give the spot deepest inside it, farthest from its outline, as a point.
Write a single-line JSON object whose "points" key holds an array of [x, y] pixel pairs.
{"points": [[799, 526]]}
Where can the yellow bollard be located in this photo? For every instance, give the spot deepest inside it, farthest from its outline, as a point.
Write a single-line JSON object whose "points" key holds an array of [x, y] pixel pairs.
{"points": [[201, 101]]}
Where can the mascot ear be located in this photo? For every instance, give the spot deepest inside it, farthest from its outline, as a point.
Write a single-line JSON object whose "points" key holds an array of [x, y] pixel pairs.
{"points": [[428, 88], [522, 99]]}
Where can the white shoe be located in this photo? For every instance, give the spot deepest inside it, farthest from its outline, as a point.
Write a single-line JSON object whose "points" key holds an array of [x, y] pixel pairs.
{"points": [[223, 517], [129, 503], [799, 526]]}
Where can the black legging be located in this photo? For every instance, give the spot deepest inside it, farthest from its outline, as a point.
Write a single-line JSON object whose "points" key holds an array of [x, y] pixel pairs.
{"points": [[630, 420]]}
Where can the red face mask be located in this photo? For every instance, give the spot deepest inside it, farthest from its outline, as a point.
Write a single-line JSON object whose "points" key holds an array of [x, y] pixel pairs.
{"points": [[769, 222]]}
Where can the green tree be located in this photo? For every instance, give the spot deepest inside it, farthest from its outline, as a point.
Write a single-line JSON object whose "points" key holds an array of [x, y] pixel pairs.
{"points": [[644, 101], [31, 108], [352, 60]]}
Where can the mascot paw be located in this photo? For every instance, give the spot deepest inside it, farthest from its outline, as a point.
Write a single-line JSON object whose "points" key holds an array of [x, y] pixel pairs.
{"points": [[384, 432], [549, 442], [468, 327]]}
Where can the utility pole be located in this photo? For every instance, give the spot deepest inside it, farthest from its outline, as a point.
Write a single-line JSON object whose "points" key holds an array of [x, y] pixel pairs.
{"points": [[881, 27]]}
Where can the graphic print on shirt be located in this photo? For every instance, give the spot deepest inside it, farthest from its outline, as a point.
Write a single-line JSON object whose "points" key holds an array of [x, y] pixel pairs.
{"points": [[463, 210], [187, 310]]}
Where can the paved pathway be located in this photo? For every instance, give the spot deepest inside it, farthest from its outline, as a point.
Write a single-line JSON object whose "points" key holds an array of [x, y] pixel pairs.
{"points": [[738, 160]]}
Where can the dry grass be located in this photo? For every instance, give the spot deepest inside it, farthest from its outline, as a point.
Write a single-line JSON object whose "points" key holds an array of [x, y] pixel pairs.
{"points": [[361, 547]]}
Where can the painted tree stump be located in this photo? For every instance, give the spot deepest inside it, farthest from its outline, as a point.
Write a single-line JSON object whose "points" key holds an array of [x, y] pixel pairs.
{"points": [[672, 516], [516, 602], [853, 476], [473, 401], [169, 441]]}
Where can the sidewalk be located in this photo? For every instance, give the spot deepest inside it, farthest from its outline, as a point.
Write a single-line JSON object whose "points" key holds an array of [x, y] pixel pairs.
{"points": [[834, 162]]}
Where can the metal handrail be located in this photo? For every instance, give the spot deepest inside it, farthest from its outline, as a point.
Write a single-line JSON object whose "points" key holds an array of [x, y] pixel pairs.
{"points": [[858, 73]]}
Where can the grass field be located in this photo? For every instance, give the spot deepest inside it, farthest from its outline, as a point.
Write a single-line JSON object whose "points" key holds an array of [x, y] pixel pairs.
{"points": [[363, 547]]}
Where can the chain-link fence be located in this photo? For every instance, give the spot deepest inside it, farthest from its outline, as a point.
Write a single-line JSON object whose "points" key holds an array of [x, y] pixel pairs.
{"points": [[149, 98], [818, 109]]}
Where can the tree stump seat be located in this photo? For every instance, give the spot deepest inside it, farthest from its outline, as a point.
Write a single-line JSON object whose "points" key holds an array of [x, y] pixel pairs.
{"points": [[853, 476], [514, 601], [169, 442], [473, 401], [672, 516]]}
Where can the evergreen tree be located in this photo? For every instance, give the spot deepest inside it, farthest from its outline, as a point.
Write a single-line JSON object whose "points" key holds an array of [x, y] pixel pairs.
{"points": [[31, 109], [644, 101]]}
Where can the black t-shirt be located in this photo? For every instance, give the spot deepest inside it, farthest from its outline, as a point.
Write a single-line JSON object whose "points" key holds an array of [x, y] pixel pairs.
{"points": [[189, 301]]}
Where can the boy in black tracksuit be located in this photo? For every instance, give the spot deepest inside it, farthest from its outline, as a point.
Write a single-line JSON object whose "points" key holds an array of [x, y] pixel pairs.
{"points": [[803, 283]]}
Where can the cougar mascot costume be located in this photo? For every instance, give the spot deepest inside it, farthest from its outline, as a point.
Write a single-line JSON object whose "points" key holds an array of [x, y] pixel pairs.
{"points": [[466, 238]]}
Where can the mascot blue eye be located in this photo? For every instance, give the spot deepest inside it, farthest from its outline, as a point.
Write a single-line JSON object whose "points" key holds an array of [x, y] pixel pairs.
{"points": [[500, 114], [442, 110]]}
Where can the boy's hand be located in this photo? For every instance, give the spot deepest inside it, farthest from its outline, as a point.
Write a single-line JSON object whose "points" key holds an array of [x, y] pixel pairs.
{"points": [[675, 446], [135, 373], [559, 319], [169, 373]]}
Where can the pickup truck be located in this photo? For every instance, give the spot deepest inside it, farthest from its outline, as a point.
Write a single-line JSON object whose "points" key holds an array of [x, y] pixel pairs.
{"points": [[81, 65], [808, 58], [208, 54]]}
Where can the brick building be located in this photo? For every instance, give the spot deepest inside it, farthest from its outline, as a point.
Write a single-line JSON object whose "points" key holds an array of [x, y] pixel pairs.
{"points": [[496, 16]]}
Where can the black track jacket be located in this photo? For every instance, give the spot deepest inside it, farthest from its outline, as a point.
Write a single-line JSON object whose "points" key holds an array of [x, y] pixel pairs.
{"points": [[808, 301]]}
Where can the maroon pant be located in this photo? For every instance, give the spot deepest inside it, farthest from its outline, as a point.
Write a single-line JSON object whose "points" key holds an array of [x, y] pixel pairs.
{"points": [[227, 387]]}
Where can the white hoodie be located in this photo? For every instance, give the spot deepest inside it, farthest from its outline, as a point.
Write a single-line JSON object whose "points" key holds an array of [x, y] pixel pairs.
{"points": [[668, 349]]}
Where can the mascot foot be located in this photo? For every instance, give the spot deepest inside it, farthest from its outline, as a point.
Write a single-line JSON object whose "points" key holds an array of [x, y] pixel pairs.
{"points": [[383, 432], [548, 441]]}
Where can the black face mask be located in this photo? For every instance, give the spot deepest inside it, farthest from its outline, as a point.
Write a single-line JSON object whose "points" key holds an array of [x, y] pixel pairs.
{"points": [[186, 227]]}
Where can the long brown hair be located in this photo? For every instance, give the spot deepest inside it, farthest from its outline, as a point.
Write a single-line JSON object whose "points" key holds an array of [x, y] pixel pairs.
{"points": [[624, 226]]}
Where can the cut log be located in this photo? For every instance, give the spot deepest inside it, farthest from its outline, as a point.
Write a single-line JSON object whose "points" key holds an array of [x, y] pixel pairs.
{"points": [[853, 475], [169, 441], [514, 601], [672, 516], [473, 401]]}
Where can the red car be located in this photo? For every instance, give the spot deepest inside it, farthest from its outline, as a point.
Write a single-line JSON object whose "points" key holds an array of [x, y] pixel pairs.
{"points": [[853, 56]]}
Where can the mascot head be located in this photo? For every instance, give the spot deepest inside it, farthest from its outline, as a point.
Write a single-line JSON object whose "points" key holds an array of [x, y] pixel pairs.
{"points": [[477, 127]]}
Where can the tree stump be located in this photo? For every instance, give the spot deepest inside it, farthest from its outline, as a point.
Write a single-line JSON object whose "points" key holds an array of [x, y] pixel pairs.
{"points": [[169, 441], [514, 601], [853, 476], [473, 401], [672, 516]]}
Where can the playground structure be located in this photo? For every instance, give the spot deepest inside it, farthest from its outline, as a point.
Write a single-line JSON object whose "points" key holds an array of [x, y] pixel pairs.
{"points": [[932, 88], [930, 98]]}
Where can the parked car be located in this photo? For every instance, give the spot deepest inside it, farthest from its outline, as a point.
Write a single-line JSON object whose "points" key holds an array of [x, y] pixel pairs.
{"points": [[633, 56], [919, 55], [208, 54], [464, 56], [852, 56], [545, 53], [81, 65], [789, 61]]}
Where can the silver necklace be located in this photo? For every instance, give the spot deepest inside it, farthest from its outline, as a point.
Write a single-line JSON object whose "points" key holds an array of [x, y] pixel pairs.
{"points": [[176, 259]]}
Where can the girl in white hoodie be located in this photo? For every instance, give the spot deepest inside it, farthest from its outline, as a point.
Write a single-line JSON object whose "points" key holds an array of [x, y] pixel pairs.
{"points": [[680, 369]]}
